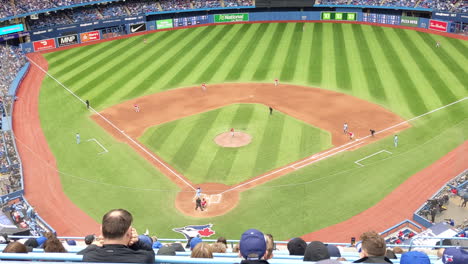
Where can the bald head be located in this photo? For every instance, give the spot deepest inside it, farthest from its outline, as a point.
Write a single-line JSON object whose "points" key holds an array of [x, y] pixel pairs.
{"points": [[116, 223]]}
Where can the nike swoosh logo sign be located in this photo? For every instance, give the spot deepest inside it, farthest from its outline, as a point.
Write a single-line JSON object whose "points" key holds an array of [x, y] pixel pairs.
{"points": [[137, 28]]}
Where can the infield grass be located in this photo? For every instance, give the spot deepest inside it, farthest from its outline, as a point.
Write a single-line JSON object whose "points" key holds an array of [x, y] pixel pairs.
{"points": [[277, 139], [398, 69]]}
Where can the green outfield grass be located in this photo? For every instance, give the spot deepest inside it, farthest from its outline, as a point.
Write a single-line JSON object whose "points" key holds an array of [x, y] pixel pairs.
{"points": [[188, 143], [398, 69]]}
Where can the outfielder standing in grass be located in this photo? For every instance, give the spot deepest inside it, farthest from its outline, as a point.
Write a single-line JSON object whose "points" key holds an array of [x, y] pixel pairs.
{"points": [[78, 138], [395, 140], [271, 110]]}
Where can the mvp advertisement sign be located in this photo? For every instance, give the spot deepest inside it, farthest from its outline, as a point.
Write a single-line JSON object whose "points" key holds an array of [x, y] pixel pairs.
{"points": [[409, 21], [67, 40], [231, 18]]}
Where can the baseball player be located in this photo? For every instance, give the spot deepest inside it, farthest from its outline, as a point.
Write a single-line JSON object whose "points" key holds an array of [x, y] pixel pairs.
{"points": [[345, 128], [198, 204], [438, 44], [232, 132], [87, 104], [395, 141], [271, 110], [78, 138], [198, 192], [276, 82], [372, 132], [203, 87], [351, 135], [137, 108], [145, 41]]}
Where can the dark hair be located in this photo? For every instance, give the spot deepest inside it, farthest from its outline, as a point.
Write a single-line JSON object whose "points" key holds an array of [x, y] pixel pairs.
{"points": [[54, 245], [115, 223], [222, 240], [15, 247], [373, 244]]}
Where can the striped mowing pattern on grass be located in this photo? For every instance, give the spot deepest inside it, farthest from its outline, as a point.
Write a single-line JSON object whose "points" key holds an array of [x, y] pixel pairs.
{"points": [[188, 144]]}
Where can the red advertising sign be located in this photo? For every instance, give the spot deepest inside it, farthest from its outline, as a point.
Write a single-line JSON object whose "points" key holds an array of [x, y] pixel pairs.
{"points": [[438, 25], [90, 36], [44, 44]]}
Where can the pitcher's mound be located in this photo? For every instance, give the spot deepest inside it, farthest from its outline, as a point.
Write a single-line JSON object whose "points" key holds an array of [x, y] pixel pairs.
{"points": [[228, 141]]}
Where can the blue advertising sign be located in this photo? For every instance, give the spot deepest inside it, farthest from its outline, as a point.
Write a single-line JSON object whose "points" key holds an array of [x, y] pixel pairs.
{"points": [[447, 16], [11, 29]]}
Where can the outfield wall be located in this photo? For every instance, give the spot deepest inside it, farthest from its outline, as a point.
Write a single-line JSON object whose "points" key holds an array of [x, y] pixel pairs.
{"points": [[67, 35]]}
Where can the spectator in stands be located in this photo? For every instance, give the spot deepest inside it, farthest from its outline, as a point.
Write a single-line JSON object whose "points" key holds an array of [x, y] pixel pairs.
{"points": [[333, 251], [373, 249], [54, 245], [194, 241], [89, 239], [235, 248], [201, 250], [156, 243], [218, 247], [269, 246], [178, 247], [121, 243], [297, 246], [455, 256], [252, 247], [316, 251], [166, 251], [415, 257], [390, 254], [222, 240], [15, 247], [399, 250]]}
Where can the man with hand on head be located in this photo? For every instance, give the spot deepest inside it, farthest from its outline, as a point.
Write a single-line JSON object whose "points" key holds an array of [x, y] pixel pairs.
{"points": [[120, 241]]}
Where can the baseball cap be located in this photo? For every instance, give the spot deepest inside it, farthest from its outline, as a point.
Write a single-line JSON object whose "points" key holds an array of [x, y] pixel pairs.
{"points": [[414, 257], [455, 256], [333, 251], [41, 240], [252, 244], [316, 251], [89, 239], [145, 239], [166, 251], [71, 242], [194, 242], [297, 246]]}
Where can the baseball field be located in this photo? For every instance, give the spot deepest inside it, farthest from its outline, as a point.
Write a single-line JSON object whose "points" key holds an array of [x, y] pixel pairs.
{"points": [[399, 72]]}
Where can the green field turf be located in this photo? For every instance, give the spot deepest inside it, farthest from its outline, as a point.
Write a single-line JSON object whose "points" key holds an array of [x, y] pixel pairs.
{"points": [[188, 143], [398, 69]]}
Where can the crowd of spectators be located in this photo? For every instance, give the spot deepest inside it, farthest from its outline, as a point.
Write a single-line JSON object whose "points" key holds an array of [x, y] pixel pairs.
{"points": [[50, 20], [121, 243], [206, 4], [172, 5], [142, 7]]}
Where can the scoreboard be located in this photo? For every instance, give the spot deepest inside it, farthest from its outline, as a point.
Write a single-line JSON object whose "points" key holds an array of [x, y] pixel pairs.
{"points": [[339, 16], [381, 18], [189, 21]]}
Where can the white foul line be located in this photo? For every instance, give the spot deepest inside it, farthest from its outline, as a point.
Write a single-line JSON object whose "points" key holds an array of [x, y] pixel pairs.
{"points": [[366, 157], [97, 142], [294, 166], [114, 126]]}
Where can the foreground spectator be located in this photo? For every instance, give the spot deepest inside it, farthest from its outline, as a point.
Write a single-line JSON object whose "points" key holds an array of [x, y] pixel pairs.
{"points": [[218, 247], [269, 246], [455, 256], [316, 251], [415, 257], [334, 251], [201, 250], [222, 240], [89, 239], [156, 243], [194, 241], [373, 249], [53, 245], [120, 241], [15, 247], [297, 247], [166, 251], [252, 247]]}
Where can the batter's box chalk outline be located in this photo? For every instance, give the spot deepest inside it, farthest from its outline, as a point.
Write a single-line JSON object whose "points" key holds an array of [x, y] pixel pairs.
{"points": [[215, 198], [366, 157], [97, 142]]}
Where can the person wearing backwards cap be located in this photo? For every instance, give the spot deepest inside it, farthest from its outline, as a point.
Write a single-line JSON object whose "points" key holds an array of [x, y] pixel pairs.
{"points": [[373, 249], [415, 257], [455, 255], [252, 247]]}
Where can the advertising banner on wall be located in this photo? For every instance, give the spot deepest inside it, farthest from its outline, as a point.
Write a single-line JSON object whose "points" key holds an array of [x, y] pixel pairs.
{"points": [[438, 25], [231, 18], [165, 23], [44, 44], [67, 40], [456, 17], [11, 29], [90, 36], [137, 27], [409, 21], [339, 16]]}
